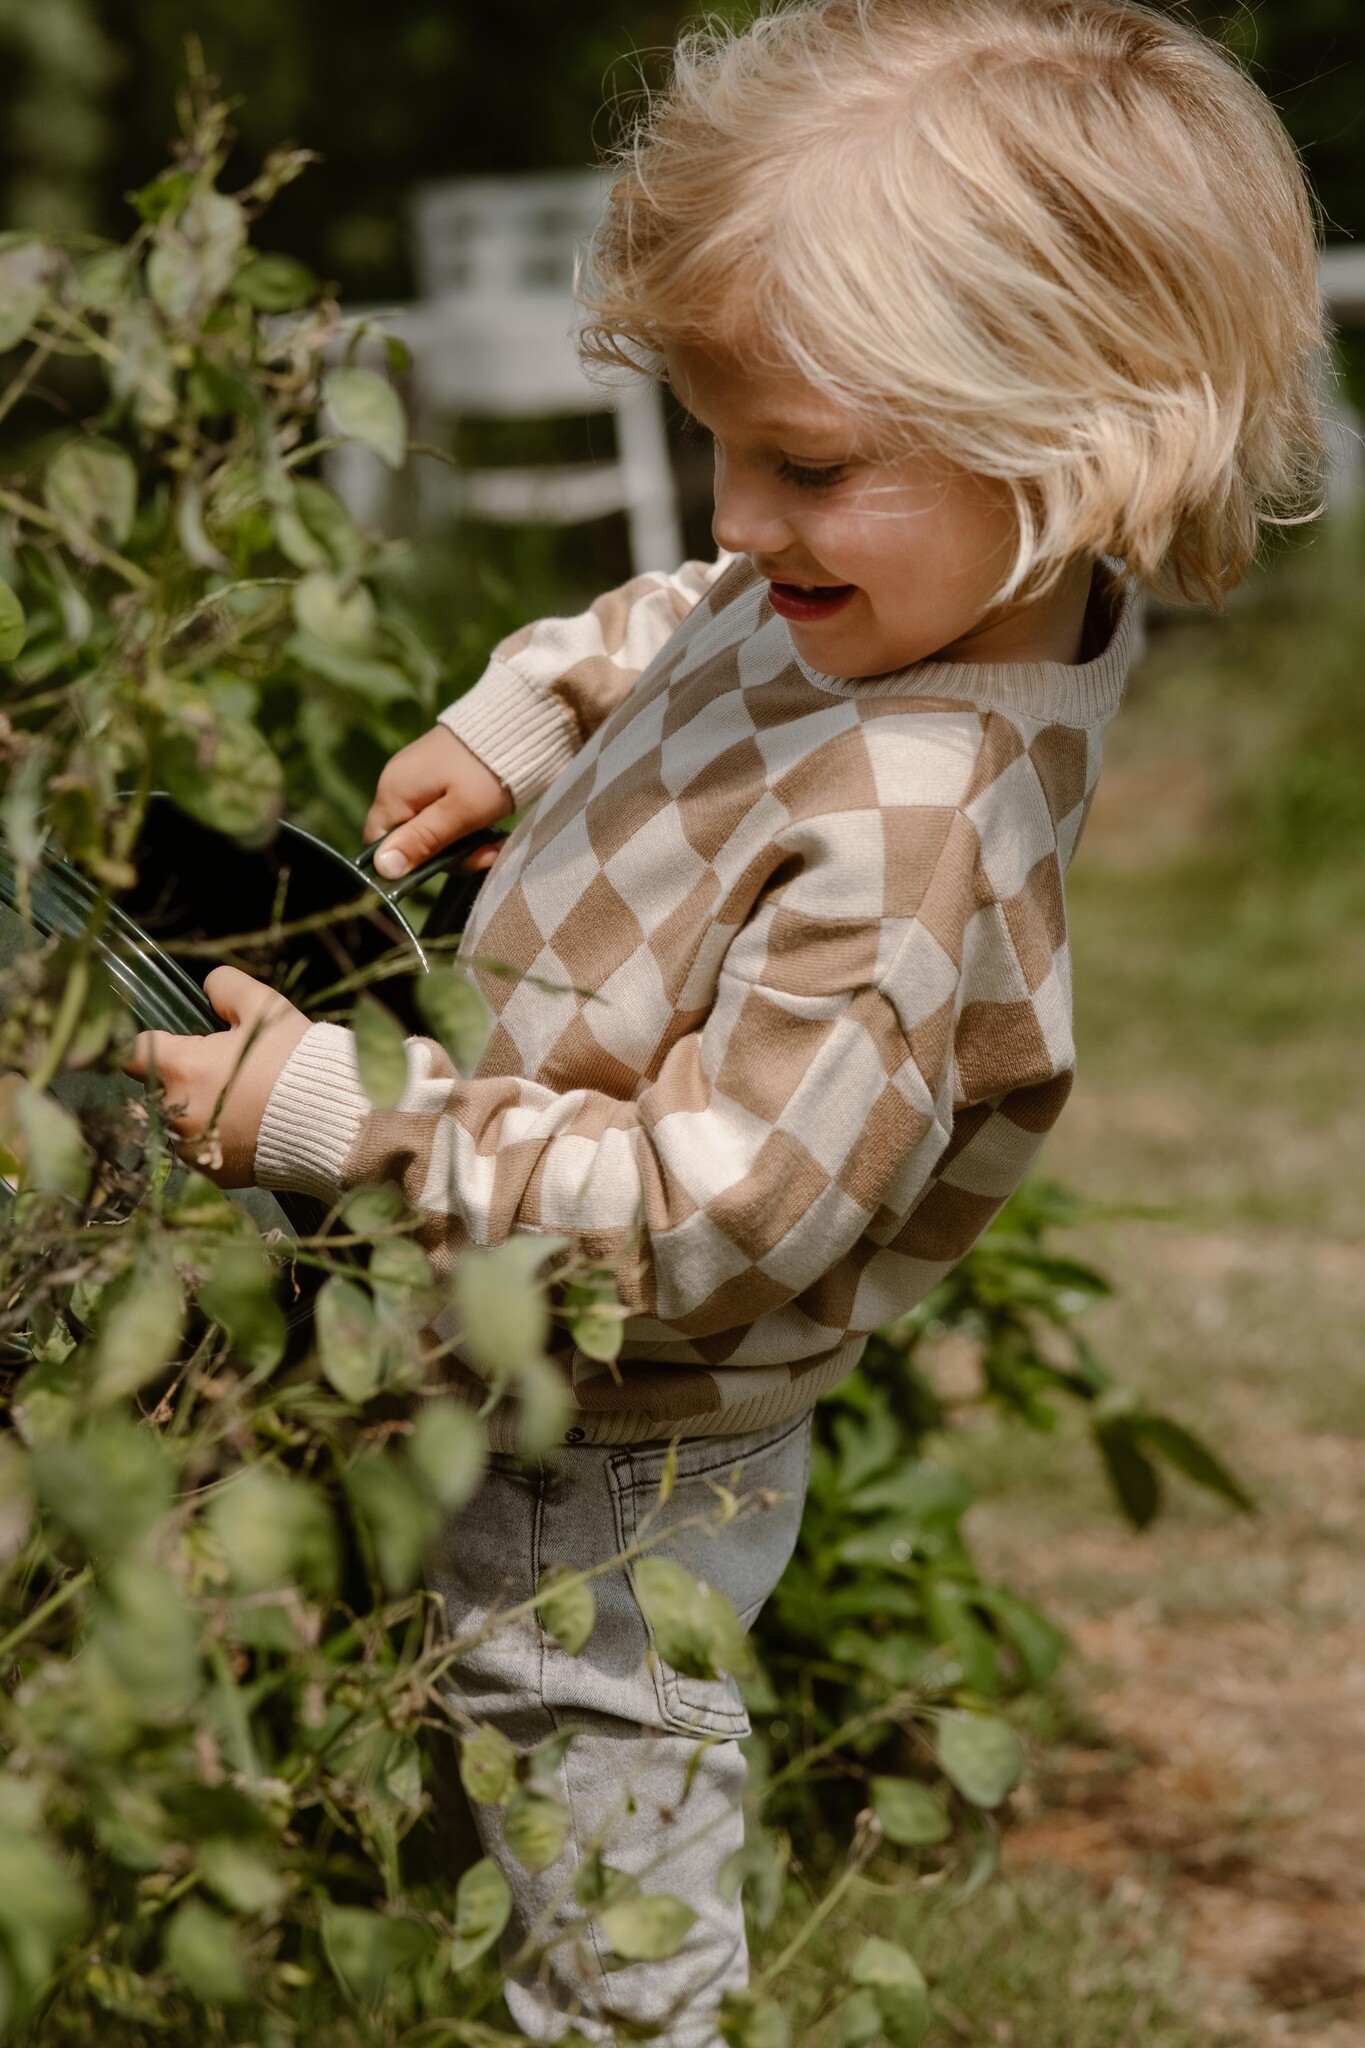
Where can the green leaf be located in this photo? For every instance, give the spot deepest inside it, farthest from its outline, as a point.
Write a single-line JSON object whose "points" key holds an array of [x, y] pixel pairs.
{"points": [[238, 1295], [504, 1317], [980, 1754], [199, 1205], [55, 1159], [1131, 1473], [163, 195], [402, 1775], [143, 375], [860, 2020], [193, 534], [895, 1982], [1040, 1645], [213, 393], [341, 616], [450, 1450], [243, 1877], [139, 1326], [566, 1607], [101, 281], [110, 1483], [91, 484], [25, 270], [910, 1813], [545, 1406], [1190, 1455], [749, 2022], [483, 1906], [13, 624], [195, 260], [367, 1211], [488, 1766], [349, 1342], [23, 815], [317, 532], [593, 1312], [41, 1908], [456, 1014], [400, 1520], [400, 1271], [363, 1949], [273, 1529], [694, 1627], [223, 772], [275, 284], [648, 1929], [366, 408], [145, 1628], [949, 1611], [535, 1827], [377, 683], [381, 1053]]}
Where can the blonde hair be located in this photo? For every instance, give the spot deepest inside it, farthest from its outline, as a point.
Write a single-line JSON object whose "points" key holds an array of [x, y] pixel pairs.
{"points": [[1066, 243]]}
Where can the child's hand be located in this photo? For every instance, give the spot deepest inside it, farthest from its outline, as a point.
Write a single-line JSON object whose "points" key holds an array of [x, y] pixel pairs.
{"points": [[436, 790], [241, 1066]]}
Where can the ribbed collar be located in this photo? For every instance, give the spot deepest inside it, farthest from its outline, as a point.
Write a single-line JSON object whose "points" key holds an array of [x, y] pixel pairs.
{"points": [[1062, 692]]}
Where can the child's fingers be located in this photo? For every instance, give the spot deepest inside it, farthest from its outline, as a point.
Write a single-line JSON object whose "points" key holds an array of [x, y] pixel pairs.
{"points": [[236, 996], [143, 1053], [438, 825], [384, 813]]}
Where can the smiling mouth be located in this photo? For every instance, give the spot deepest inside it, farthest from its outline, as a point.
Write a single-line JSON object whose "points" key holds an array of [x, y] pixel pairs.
{"points": [[806, 602]]}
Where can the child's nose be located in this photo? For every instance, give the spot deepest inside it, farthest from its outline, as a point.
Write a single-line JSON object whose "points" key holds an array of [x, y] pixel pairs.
{"points": [[748, 517]]}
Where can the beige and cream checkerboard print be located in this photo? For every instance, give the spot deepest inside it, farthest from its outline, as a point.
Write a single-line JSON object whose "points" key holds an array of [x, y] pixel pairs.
{"points": [[790, 1011]]}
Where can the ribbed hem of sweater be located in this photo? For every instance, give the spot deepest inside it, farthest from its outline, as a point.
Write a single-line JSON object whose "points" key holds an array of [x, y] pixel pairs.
{"points": [[310, 1122], [737, 1417], [524, 736]]}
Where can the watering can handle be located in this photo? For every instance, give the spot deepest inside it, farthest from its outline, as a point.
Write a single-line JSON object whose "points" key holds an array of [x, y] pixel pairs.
{"points": [[448, 912], [441, 863]]}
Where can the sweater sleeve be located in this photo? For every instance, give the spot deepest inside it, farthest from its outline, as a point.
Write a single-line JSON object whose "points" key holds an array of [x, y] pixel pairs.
{"points": [[811, 1105], [549, 686]]}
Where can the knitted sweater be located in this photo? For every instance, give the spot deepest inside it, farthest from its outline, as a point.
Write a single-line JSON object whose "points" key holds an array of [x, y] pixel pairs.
{"points": [[789, 1012]]}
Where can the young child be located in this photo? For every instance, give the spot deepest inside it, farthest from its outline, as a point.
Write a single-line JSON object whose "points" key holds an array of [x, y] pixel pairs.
{"points": [[997, 310]]}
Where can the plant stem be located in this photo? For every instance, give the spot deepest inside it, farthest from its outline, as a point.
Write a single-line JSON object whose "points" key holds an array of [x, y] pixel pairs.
{"points": [[22, 383], [50, 1606], [818, 1914], [24, 508]]}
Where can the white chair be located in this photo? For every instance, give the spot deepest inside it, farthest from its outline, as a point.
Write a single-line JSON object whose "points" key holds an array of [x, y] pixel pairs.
{"points": [[495, 263]]}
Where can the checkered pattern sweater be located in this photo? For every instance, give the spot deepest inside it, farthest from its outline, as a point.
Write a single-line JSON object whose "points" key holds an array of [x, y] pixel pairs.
{"points": [[790, 1012]]}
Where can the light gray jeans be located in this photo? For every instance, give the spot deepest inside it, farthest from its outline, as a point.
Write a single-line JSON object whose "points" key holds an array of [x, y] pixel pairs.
{"points": [[654, 1776]]}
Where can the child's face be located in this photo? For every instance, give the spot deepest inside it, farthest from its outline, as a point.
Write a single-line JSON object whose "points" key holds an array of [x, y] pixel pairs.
{"points": [[902, 553]]}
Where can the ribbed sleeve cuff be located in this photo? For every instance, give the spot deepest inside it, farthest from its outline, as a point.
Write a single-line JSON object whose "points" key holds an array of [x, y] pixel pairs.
{"points": [[524, 736], [310, 1122]]}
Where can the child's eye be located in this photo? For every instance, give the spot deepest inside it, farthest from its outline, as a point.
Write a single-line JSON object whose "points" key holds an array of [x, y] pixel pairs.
{"points": [[807, 478]]}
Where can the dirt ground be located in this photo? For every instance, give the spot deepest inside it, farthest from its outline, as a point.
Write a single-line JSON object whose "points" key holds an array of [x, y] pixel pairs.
{"points": [[1220, 1658]]}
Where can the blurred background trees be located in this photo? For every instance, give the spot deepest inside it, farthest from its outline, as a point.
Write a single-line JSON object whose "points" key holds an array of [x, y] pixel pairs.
{"points": [[433, 88]]}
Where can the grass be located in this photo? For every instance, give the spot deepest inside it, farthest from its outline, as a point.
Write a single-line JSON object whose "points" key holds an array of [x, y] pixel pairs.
{"points": [[1032, 1961]]}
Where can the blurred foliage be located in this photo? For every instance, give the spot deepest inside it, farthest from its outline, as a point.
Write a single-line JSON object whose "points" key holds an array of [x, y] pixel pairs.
{"points": [[224, 1454]]}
